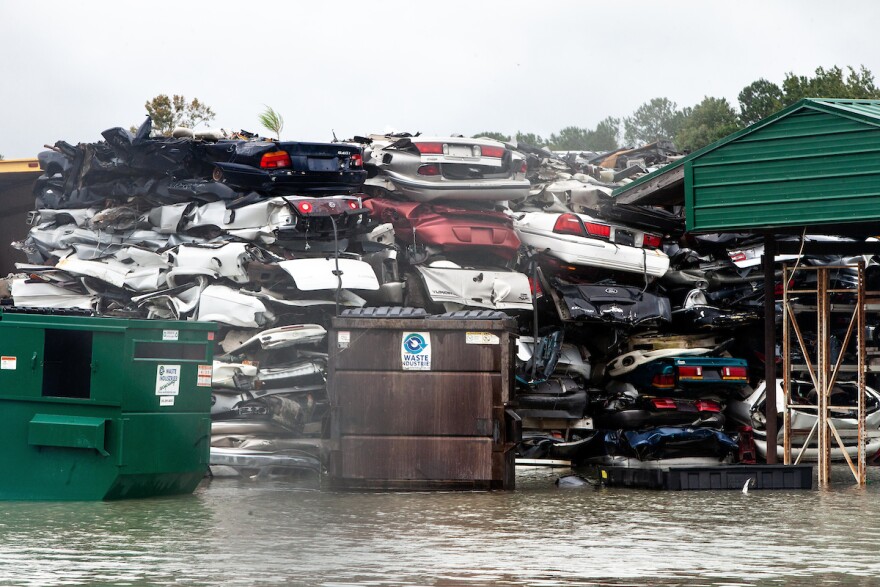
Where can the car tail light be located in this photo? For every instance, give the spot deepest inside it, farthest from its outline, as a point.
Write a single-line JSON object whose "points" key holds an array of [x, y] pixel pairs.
{"points": [[429, 170], [535, 287], [734, 373], [523, 167], [664, 403], [686, 372], [274, 160], [600, 230], [429, 148], [569, 224], [704, 405], [737, 256], [357, 160], [652, 241], [496, 152], [304, 207], [661, 381], [353, 205]]}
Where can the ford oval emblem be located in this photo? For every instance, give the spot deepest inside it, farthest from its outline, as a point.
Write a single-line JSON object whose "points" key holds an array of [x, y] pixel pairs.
{"points": [[610, 290]]}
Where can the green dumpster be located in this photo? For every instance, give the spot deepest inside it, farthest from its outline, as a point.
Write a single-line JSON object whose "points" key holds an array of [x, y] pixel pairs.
{"points": [[103, 408]]}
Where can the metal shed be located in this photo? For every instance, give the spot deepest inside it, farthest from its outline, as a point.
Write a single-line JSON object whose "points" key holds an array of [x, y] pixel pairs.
{"points": [[787, 170], [814, 166]]}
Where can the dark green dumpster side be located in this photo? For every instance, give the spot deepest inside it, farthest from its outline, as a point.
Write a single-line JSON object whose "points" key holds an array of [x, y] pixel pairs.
{"points": [[103, 408]]}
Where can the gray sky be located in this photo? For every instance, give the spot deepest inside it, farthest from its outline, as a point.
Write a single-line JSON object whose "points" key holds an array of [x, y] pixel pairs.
{"points": [[72, 69]]}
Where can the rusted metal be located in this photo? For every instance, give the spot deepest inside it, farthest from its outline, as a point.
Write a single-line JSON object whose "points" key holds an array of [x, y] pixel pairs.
{"points": [[445, 427], [824, 371]]}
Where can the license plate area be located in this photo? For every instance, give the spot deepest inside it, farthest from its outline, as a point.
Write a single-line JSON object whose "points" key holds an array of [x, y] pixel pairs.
{"points": [[624, 237], [460, 151], [323, 164]]}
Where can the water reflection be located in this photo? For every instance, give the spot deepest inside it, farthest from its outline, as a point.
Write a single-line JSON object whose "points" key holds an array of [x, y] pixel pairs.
{"points": [[237, 532]]}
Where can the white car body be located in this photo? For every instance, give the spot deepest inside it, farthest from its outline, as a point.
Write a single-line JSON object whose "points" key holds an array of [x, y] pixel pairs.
{"points": [[535, 229], [749, 411]]}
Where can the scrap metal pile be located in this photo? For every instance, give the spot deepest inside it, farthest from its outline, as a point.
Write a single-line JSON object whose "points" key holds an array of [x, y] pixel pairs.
{"points": [[637, 339]]}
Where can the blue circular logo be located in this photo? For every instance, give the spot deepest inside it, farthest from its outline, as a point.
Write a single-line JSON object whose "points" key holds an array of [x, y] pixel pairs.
{"points": [[414, 343]]}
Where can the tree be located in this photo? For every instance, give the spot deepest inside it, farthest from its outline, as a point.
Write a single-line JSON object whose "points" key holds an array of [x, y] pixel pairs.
{"points": [[758, 100], [656, 119], [570, 138], [530, 139], [710, 120], [830, 83], [575, 138], [1, 157], [497, 136], [272, 121], [606, 136], [168, 113]]}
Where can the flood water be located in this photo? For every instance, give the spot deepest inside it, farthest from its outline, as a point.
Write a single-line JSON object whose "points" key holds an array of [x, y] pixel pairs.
{"points": [[242, 532]]}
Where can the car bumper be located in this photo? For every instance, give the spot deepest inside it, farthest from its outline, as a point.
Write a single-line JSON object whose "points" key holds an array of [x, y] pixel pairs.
{"points": [[444, 189]]}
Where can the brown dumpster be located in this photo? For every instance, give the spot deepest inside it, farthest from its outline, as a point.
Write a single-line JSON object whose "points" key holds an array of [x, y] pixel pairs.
{"points": [[419, 402]]}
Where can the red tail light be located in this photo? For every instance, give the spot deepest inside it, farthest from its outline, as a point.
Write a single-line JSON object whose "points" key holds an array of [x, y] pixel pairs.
{"points": [[357, 160], [736, 256], [569, 224], [274, 160], [523, 167], [734, 373], [652, 241], [353, 205], [704, 405], [600, 230], [304, 207], [535, 287], [663, 381], [663, 403], [685, 372], [429, 148], [496, 152], [429, 170]]}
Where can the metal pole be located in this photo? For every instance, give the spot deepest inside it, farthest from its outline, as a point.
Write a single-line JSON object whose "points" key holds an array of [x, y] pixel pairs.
{"points": [[860, 308], [770, 346]]}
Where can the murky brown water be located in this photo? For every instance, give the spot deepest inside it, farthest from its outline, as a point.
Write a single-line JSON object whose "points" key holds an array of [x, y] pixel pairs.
{"points": [[234, 532]]}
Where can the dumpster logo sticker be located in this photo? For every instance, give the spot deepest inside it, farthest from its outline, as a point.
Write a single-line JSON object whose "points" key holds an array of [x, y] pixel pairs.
{"points": [[8, 362], [415, 351], [167, 379]]}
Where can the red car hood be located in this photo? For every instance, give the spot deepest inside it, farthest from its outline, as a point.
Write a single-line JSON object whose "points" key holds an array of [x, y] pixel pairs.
{"points": [[446, 226]]}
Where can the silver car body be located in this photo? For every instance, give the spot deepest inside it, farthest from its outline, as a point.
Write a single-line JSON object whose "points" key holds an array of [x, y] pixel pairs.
{"points": [[460, 169]]}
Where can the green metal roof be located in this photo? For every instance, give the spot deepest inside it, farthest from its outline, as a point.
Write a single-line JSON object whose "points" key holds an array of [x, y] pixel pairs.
{"points": [[816, 162]]}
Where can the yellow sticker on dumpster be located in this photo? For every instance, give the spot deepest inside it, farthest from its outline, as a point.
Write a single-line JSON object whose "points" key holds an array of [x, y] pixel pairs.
{"points": [[7, 362], [481, 338]]}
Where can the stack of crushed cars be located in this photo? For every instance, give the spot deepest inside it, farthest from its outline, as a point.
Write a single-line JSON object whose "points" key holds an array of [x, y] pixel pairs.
{"points": [[267, 239], [637, 341]]}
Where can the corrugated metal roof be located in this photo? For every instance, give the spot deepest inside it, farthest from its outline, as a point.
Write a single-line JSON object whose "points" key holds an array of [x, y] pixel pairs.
{"points": [[815, 162]]}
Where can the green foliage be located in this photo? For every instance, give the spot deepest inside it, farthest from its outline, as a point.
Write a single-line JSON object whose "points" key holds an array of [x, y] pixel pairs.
{"points": [[497, 136], [659, 118], [708, 121], [530, 138], [168, 113], [830, 83], [758, 100], [272, 121], [574, 138]]}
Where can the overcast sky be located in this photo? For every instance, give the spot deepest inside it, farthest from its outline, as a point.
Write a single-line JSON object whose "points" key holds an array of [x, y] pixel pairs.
{"points": [[71, 69]]}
